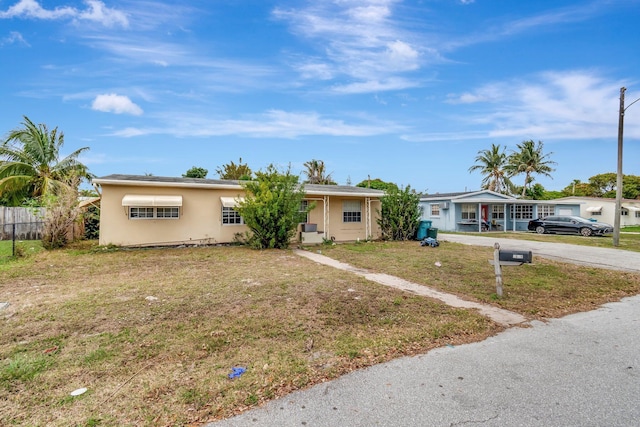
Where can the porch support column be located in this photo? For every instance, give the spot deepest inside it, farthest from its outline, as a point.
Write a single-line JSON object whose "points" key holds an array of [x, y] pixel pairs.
{"points": [[326, 217]]}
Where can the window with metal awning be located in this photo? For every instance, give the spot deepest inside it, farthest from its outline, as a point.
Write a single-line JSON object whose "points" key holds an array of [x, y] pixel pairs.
{"points": [[594, 209], [151, 200], [140, 206], [631, 207], [229, 214]]}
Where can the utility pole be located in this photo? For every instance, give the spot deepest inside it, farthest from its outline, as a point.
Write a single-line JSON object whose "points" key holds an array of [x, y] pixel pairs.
{"points": [[616, 220]]}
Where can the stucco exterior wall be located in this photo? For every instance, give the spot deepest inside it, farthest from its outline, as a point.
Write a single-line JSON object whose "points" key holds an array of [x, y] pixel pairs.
{"points": [[200, 219]]}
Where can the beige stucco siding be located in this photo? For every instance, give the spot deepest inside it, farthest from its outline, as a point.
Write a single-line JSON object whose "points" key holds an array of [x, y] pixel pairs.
{"points": [[200, 215], [200, 218]]}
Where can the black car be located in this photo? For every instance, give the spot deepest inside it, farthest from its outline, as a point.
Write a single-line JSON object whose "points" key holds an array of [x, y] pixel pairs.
{"points": [[569, 224]]}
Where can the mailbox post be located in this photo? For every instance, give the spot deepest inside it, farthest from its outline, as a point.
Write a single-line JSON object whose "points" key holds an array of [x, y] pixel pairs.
{"points": [[507, 257], [496, 265]]}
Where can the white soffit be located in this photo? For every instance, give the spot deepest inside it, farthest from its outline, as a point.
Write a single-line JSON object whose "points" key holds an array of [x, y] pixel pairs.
{"points": [[594, 208], [148, 200], [231, 202]]}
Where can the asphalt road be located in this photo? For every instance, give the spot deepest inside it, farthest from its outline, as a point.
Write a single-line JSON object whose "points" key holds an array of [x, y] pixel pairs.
{"points": [[614, 259], [580, 370]]}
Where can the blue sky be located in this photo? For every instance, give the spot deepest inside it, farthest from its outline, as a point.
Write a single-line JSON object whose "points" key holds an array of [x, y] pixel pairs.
{"points": [[404, 91]]}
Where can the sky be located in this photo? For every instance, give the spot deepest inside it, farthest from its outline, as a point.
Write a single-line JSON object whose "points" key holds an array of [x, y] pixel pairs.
{"points": [[403, 91]]}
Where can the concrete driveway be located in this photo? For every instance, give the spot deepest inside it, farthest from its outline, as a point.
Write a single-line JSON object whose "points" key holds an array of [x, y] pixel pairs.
{"points": [[580, 370]]}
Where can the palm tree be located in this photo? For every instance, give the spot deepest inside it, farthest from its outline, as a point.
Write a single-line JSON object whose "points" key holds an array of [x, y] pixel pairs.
{"points": [[491, 163], [316, 173], [30, 165], [529, 160]]}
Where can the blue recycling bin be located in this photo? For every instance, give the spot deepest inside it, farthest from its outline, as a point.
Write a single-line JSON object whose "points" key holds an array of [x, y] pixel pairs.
{"points": [[423, 228]]}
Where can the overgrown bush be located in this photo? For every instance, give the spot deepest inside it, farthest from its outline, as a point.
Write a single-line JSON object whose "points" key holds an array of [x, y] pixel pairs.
{"points": [[400, 214], [62, 214], [271, 208]]}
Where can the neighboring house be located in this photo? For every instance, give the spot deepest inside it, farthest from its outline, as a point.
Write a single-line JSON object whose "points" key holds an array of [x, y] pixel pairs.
{"points": [[487, 210], [604, 210], [151, 210]]}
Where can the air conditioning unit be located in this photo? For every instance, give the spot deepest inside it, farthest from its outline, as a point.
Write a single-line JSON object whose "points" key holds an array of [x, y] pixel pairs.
{"points": [[444, 205]]}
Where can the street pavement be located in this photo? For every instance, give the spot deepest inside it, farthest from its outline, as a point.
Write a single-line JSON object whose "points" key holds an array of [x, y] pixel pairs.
{"points": [[580, 370], [614, 259]]}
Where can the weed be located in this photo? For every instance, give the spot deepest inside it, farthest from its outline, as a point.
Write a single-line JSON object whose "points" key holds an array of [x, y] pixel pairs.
{"points": [[22, 368]]}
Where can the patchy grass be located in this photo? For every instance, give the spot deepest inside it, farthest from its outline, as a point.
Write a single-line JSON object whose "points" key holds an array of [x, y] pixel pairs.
{"points": [[23, 248], [153, 333], [542, 289], [628, 240]]}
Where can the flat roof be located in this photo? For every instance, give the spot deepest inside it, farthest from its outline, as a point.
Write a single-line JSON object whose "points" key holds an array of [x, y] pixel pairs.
{"points": [[164, 181]]}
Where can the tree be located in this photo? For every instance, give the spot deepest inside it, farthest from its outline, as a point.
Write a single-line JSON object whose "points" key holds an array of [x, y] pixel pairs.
{"points": [[30, 165], [604, 184], [241, 171], [271, 208], [400, 214], [491, 163], [196, 172], [529, 160], [316, 173], [631, 186], [377, 184]]}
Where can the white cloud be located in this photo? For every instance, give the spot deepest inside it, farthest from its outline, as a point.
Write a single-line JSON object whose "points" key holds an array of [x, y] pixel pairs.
{"points": [[374, 86], [118, 104], [357, 40], [570, 105], [14, 37], [32, 9], [96, 11], [272, 123]]}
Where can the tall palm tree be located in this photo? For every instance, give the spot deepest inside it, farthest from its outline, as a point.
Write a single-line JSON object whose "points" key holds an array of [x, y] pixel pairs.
{"points": [[491, 163], [30, 164], [529, 160], [316, 173]]}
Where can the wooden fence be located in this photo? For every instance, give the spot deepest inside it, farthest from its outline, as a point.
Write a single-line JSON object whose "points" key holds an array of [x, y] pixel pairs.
{"points": [[21, 223]]}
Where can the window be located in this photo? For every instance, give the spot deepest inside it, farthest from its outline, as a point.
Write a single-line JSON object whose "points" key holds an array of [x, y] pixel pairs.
{"points": [[304, 215], [497, 212], [351, 211], [154, 213], [546, 210], [637, 214], [435, 209], [230, 216], [468, 211], [624, 212], [168, 212], [594, 213], [522, 212]]}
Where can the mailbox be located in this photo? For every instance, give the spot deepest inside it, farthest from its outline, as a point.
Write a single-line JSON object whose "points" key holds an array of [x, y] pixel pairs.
{"points": [[516, 256]]}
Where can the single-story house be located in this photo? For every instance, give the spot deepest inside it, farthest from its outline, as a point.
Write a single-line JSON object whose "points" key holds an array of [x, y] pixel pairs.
{"points": [[151, 211], [487, 210], [604, 210]]}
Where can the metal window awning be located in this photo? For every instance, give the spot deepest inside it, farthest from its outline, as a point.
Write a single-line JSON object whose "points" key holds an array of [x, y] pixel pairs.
{"points": [[594, 208], [151, 201], [631, 208], [231, 202]]}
